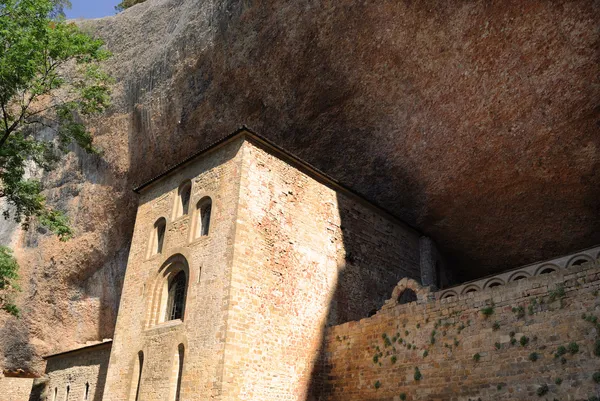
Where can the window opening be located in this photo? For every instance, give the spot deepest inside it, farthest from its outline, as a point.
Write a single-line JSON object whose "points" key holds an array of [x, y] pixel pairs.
{"points": [[185, 191], [160, 228], [547, 270], [55, 393], [204, 210], [495, 284], [68, 391], [579, 262], [87, 391], [407, 296], [176, 300], [136, 379]]}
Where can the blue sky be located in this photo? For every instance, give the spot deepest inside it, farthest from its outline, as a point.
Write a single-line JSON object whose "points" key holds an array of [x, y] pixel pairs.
{"points": [[92, 8]]}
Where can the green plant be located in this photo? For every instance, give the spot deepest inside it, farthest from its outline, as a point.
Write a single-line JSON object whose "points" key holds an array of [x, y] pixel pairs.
{"points": [[499, 387], [498, 345], [418, 327], [596, 377], [488, 311], [524, 341], [418, 376], [513, 341], [425, 353], [542, 390], [496, 326], [403, 396], [377, 385], [558, 381], [533, 356], [557, 293], [393, 359], [560, 351], [8, 281], [476, 357], [573, 348], [519, 311]]}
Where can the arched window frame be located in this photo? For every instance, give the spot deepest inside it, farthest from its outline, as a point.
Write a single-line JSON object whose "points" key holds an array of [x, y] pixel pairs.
{"points": [[157, 238], [86, 391], [157, 311], [184, 196], [202, 217], [177, 373]]}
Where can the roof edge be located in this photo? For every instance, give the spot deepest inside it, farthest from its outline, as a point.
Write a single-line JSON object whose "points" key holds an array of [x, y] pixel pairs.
{"points": [[84, 348], [283, 154]]}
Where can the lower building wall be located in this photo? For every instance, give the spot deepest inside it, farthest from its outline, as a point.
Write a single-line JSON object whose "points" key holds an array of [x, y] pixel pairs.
{"points": [[15, 388], [450, 350], [74, 370]]}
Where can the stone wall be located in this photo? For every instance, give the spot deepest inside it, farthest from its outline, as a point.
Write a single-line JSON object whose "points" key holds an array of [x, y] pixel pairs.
{"points": [[82, 371], [307, 254], [15, 388], [207, 260], [536, 338]]}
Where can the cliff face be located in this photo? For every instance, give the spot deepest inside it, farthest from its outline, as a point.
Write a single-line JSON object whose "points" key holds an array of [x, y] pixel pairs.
{"points": [[478, 122]]}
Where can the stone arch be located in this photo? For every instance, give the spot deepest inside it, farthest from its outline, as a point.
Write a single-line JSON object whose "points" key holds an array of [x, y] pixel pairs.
{"points": [[405, 285], [470, 288], [493, 282], [546, 269], [448, 294], [170, 269], [578, 260], [519, 275]]}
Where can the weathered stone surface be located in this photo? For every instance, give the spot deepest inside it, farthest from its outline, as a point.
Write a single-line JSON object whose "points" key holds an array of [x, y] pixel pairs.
{"points": [[476, 121]]}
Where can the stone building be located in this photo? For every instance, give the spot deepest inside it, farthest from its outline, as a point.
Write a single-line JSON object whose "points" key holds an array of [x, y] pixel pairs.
{"points": [[240, 257], [254, 276]]}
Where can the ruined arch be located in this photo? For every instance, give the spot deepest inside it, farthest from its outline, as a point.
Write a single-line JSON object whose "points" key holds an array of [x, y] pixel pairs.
{"points": [[413, 290]]}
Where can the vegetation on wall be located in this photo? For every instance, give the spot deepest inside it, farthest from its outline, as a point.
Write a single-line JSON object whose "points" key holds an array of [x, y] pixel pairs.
{"points": [[50, 80]]}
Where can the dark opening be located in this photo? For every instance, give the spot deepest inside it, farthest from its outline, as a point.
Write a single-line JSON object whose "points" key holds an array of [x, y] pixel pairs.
{"points": [[205, 208], [496, 284], [87, 391], [160, 227], [547, 270], [470, 290], [176, 301], [139, 378], [179, 372], [521, 277], [184, 195], [68, 391], [372, 312], [579, 262], [407, 296]]}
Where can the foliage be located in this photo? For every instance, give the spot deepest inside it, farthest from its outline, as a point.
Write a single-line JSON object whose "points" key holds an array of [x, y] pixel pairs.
{"points": [[50, 80], [560, 351], [418, 376], [496, 326], [403, 396], [8, 281], [488, 311], [573, 348], [524, 341], [377, 384], [596, 377], [125, 4], [533, 356], [476, 357], [558, 381]]}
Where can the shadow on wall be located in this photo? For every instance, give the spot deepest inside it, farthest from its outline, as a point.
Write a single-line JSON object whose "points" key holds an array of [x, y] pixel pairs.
{"points": [[378, 256]]}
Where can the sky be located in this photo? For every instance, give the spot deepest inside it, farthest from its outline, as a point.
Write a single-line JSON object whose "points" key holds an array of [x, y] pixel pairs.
{"points": [[92, 8]]}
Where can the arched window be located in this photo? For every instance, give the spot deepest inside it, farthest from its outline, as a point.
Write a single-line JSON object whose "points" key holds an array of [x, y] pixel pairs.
{"points": [[55, 394], [86, 394], [547, 270], [158, 236], [179, 372], [68, 391], [183, 199], [136, 378], [203, 211], [176, 297], [407, 296]]}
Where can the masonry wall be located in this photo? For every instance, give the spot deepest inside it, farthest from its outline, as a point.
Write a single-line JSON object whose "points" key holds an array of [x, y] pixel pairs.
{"points": [[376, 358], [305, 256], [202, 330], [75, 370], [15, 388]]}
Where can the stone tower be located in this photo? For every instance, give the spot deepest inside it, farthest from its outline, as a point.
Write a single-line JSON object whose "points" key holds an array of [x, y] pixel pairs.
{"points": [[240, 257]]}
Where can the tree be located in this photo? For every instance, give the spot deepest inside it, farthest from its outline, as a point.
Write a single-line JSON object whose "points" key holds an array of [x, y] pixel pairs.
{"points": [[125, 4], [50, 80]]}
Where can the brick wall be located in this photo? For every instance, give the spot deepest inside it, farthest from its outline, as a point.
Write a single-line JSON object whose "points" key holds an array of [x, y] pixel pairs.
{"points": [[75, 369], [15, 388], [376, 358], [306, 255]]}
